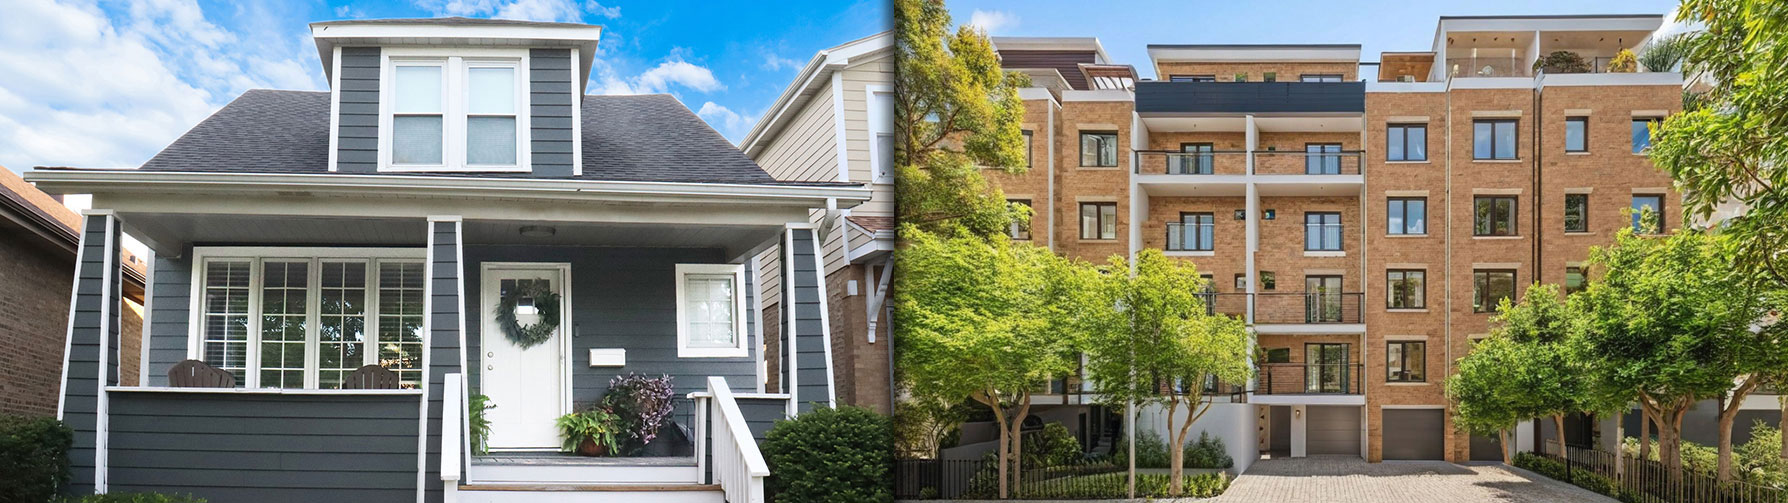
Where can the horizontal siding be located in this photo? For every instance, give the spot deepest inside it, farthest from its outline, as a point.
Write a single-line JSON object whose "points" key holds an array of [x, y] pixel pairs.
{"points": [[806, 148], [80, 390], [812, 381], [550, 124], [170, 320], [265, 448], [761, 414], [357, 134], [769, 267]]}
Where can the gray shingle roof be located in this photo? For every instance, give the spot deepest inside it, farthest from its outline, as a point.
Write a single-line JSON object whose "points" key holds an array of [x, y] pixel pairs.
{"points": [[625, 138]]}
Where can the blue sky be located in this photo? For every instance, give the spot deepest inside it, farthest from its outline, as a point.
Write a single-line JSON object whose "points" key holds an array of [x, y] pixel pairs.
{"points": [[107, 83], [1126, 28]]}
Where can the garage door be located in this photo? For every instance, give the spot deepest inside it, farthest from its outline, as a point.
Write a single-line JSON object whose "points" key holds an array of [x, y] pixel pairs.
{"points": [[1413, 434], [1332, 430]]}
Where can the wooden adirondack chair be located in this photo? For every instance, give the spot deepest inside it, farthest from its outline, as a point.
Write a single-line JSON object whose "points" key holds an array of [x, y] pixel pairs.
{"points": [[198, 374], [371, 377]]}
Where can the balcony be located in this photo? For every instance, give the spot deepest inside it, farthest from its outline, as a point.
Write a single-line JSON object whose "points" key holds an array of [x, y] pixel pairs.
{"points": [[1346, 162], [1227, 304], [1311, 379], [1488, 66], [1309, 308], [1171, 162]]}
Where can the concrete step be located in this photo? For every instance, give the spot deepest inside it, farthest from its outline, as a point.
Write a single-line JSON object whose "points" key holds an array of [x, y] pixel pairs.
{"points": [[569, 493]]}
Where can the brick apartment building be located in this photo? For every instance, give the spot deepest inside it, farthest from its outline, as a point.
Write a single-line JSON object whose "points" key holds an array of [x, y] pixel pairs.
{"points": [[1364, 217]]}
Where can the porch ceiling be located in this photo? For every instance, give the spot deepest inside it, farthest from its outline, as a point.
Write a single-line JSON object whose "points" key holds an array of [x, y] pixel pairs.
{"points": [[736, 240]]}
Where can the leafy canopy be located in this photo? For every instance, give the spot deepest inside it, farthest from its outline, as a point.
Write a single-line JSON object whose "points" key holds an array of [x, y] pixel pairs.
{"points": [[956, 112], [1154, 328]]}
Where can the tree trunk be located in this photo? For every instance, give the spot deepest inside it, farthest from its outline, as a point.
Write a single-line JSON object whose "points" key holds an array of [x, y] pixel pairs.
{"points": [[1558, 422], [1644, 432], [1506, 446], [999, 416], [1024, 410], [1724, 469], [1620, 442]]}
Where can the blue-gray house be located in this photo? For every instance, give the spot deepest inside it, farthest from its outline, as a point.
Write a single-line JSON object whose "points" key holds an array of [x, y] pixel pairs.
{"points": [[416, 217]]}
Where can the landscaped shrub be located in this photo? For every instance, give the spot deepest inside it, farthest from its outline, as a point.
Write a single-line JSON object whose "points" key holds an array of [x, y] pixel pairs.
{"points": [[33, 458], [843, 455], [133, 498], [1555, 470], [1151, 451], [1207, 452], [1053, 446], [642, 403], [1115, 485]]}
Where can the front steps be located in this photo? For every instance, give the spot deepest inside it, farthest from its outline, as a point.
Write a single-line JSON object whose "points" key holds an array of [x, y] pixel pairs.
{"points": [[555, 478]]}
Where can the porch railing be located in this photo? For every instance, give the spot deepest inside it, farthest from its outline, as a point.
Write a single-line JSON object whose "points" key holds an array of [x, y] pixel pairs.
{"points": [[1311, 379], [739, 467]]}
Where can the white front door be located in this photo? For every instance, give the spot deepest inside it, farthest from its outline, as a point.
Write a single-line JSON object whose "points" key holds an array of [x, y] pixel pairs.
{"points": [[526, 385]]}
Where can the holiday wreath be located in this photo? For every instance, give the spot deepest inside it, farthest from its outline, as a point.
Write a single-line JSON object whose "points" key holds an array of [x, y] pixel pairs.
{"points": [[545, 302]]}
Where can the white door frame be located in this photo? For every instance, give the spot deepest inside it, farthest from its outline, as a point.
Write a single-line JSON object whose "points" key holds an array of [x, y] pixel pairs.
{"points": [[565, 308]]}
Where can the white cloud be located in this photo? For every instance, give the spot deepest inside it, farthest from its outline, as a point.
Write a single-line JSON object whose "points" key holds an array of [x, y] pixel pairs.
{"points": [[772, 62], [992, 21], [597, 9], [658, 79], [89, 88], [731, 124]]}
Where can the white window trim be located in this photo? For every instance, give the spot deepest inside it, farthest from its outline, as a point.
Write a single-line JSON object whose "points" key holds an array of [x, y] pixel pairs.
{"points": [[202, 256], [740, 349], [454, 65], [879, 124]]}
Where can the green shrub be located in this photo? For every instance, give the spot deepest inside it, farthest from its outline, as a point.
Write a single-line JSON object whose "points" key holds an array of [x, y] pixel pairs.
{"points": [[1207, 452], [1114, 485], [1151, 451], [1555, 470], [133, 498], [33, 458], [843, 454], [1053, 446]]}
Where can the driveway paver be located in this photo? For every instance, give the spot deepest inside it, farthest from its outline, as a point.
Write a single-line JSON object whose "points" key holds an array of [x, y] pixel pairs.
{"points": [[1350, 479]]}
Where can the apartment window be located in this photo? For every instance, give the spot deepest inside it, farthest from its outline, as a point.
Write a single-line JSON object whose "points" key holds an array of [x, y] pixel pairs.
{"points": [[453, 114], [1576, 134], [1241, 282], [881, 124], [1241, 77], [1406, 289], [1098, 149], [1027, 148], [1489, 287], [1493, 139], [1194, 159], [1267, 280], [1098, 220], [1406, 142], [1322, 158], [1648, 214], [1322, 231], [1020, 230], [1278, 355], [710, 313], [1642, 133], [1320, 77], [1406, 361], [1493, 216], [1407, 216], [261, 315], [1192, 78], [1269, 77], [1573, 280], [1191, 233], [1576, 216]]}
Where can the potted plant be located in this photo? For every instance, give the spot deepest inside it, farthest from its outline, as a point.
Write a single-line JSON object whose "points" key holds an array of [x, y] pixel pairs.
{"points": [[642, 405], [591, 432]]}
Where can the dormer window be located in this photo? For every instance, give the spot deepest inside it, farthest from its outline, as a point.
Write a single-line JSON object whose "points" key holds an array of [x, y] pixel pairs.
{"points": [[453, 113]]}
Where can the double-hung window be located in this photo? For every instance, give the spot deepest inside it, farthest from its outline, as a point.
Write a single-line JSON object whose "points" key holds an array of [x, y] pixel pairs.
{"points": [[1493, 216], [1192, 233], [1322, 231], [1406, 142], [711, 311], [1098, 149], [1406, 289], [306, 318], [1098, 220], [441, 113], [1489, 287], [1407, 216], [1493, 139], [1406, 361]]}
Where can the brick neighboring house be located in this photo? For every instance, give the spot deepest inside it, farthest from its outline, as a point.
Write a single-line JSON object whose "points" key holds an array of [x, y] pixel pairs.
{"points": [[1359, 224], [38, 236], [834, 123]]}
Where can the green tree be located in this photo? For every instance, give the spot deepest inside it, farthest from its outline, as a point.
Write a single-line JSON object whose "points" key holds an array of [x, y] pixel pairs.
{"points": [[920, 425], [1153, 342], [956, 112], [987, 320], [1490, 391], [1543, 324], [1667, 323]]}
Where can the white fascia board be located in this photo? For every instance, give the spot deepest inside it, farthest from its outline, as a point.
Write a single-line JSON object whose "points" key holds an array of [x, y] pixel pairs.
{"points": [[581, 37], [126, 181], [1098, 95], [816, 74], [1350, 54], [1406, 87], [1613, 79], [1559, 23]]}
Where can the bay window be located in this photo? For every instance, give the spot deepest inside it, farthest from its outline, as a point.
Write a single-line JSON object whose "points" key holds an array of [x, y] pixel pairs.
{"points": [[307, 319]]}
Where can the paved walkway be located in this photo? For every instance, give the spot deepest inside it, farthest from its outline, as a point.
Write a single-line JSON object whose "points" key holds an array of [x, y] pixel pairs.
{"points": [[1350, 479]]}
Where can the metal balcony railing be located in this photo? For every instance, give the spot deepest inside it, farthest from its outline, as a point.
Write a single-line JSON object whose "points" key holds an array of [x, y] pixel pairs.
{"points": [[1174, 162], [1276, 162], [1308, 307], [1311, 379], [1228, 304]]}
